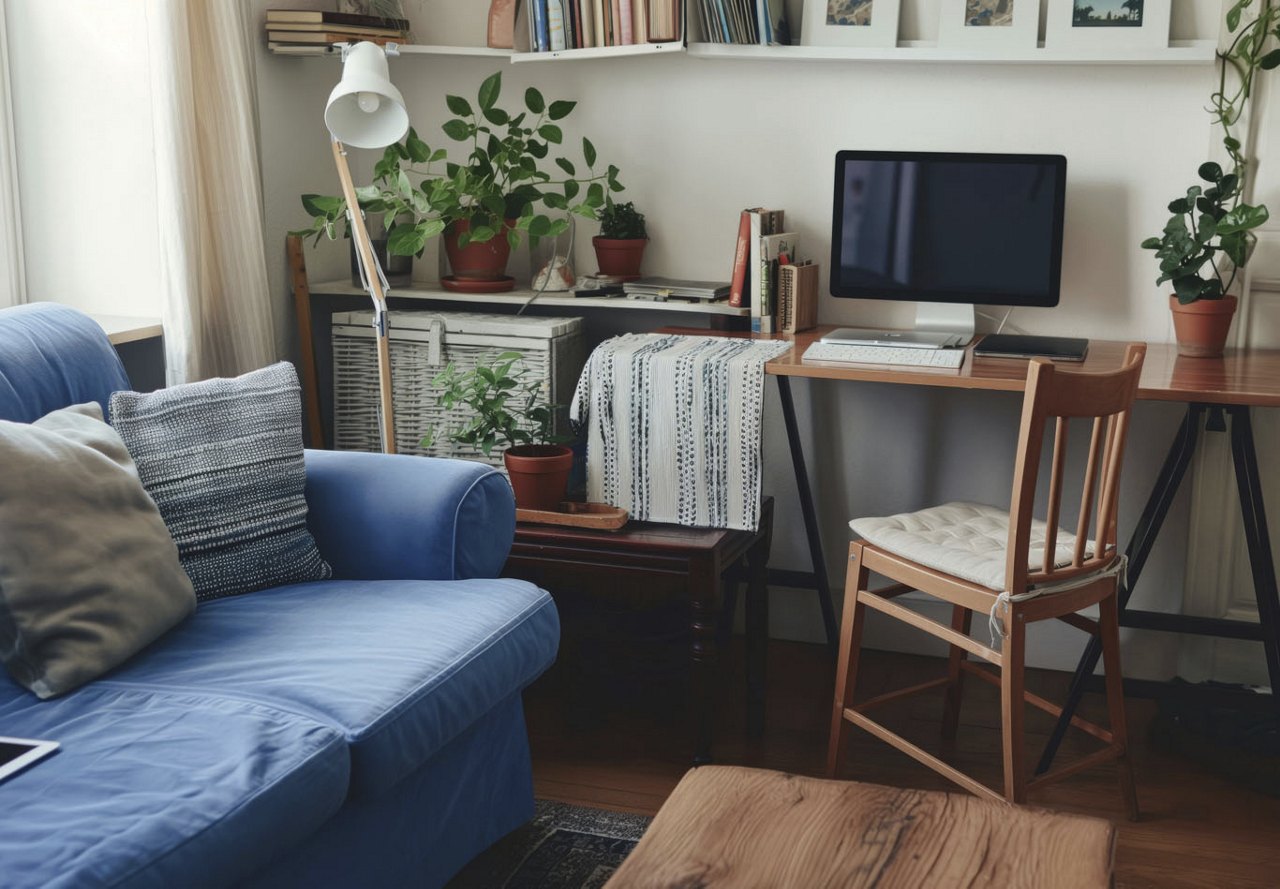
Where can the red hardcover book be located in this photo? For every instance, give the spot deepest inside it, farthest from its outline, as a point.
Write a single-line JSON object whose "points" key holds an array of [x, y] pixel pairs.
{"points": [[739, 278]]}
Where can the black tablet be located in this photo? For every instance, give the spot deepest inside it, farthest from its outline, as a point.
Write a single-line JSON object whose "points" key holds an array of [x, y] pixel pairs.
{"points": [[18, 753], [1009, 345]]}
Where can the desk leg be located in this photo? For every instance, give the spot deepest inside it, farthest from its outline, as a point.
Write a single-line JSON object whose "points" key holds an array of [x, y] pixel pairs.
{"points": [[704, 593], [816, 558], [1245, 458], [1144, 537]]}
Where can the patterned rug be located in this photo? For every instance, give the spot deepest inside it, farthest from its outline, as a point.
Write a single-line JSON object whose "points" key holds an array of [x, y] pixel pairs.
{"points": [[563, 847]]}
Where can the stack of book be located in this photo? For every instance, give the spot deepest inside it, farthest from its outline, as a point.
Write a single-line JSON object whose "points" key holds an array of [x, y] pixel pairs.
{"points": [[762, 22], [556, 25], [763, 246], [662, 289], [308, 32]]}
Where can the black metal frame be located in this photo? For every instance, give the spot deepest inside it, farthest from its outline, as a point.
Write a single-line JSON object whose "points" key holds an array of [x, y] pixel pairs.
{"points": [[1267, 630]]}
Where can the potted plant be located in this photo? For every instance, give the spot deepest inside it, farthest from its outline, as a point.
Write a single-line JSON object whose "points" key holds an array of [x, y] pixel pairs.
{"points": [[622, 239], [509, 407], [485, 206], [1209, 239]]}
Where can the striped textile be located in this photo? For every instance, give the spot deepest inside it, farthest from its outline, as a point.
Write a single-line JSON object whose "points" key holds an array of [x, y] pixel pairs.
{"points": [[673, 427], [223, 461]]}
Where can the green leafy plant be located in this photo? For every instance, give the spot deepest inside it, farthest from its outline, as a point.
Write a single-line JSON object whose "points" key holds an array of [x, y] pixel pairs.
{"points": [[508, 404], [419, 192], [622, 222], [1209, 238]]}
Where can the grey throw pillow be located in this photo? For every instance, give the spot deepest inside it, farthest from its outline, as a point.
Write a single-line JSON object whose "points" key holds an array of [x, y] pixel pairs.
{"points": [[88, 572], [223, 461]]}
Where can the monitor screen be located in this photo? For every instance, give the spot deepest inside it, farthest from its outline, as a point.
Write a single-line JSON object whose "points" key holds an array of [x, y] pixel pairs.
{"points": [[956, 228]]}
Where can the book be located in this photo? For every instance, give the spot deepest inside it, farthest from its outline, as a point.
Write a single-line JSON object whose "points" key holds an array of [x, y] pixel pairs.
{"points": [[538, 19], [773, 248], [662, 288], [797, 297], [555, 25], [302, 49], [775, 23], [598, 8], [738, 280], [588, 9], [640, 21], [625, 17], [323, 37], [304, 27], [328, 17], [664, 20]]}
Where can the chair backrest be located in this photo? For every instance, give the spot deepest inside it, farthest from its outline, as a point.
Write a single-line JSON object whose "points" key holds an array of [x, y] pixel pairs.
{"points": [[52, 356], [1105, 398]]}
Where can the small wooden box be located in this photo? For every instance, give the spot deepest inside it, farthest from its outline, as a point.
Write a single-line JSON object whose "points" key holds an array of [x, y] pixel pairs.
{"points": [[797, 297]]}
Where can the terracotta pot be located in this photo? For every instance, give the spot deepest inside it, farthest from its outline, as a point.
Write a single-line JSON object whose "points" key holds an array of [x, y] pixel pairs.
{"points": [[1201, 327], [539, 474], [619, 257], [486, 261]]}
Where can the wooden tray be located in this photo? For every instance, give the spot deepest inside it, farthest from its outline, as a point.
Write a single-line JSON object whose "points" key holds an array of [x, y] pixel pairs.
{"points": [[600, 516]]}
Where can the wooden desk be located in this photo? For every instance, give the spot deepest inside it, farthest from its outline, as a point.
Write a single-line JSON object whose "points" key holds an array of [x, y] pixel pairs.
{"points": [[704, 560], [736, 827], [1214, 390]]}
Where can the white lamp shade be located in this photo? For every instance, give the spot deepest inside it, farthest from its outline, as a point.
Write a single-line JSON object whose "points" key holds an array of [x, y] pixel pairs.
{"points": [[365, 110]]}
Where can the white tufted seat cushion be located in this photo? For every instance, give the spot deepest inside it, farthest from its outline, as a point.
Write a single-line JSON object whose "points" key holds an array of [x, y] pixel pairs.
{"points": [[966, 540]]}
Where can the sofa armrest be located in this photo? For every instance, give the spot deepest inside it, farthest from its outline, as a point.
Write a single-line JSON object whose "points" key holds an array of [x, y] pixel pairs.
{"points": [[386, 516]]}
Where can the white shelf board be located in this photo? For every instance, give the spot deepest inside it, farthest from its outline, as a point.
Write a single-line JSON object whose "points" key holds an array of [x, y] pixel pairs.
{"points": [[600, 52], [434, 293], [420, 49], [122, 329], [1186, 52]]}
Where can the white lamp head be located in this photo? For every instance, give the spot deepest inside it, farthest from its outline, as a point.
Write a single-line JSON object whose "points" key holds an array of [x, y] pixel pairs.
{"points": [[365, 110]]}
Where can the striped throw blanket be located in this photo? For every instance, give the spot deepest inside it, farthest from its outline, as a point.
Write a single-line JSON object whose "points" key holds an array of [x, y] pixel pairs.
{"points": [[673, 427]]}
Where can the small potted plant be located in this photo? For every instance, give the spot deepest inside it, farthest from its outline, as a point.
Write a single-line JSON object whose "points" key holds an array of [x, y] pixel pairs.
{"points": [[509, 407], [622, 239], [485, 206], [1209, 239]]}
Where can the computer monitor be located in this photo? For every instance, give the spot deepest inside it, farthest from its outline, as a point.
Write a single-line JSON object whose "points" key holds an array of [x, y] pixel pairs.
{"points": [[946, 230]]}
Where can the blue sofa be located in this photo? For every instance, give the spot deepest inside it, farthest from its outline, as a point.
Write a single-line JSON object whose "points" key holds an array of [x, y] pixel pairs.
{"points": [[361, 731]]}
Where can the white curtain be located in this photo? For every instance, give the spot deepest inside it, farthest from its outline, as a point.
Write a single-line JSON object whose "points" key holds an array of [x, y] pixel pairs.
{"points": [[217, 311], [12, 277]]}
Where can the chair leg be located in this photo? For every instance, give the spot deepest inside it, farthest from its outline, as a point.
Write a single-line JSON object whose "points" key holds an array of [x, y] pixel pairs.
{"points": [[961, 620], [1109, 628], [850, 648], [1012, 705]]}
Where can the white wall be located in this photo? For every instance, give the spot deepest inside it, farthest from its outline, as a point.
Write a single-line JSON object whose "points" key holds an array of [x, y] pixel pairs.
{"points": [[86, 159], [699, 140]]}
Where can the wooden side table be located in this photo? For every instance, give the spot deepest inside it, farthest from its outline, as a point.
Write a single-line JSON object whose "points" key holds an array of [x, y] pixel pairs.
{"points": [[708, 560], [729, 826]]}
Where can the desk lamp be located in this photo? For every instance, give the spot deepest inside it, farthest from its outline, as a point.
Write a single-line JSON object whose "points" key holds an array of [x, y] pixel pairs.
{"points": [[366, 111]]}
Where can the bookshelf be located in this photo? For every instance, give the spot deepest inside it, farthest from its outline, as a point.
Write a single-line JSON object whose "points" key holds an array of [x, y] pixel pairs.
{"points": [[601, 52], [433, 292]]}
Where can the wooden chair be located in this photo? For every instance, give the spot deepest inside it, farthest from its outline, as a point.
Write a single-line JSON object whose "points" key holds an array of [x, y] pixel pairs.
{"points": [[962, 554]]}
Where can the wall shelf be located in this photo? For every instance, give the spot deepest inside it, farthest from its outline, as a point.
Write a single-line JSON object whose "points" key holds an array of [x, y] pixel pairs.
{"points": [[1182, 52], [429, 291], [418, 49], [600, 52]]}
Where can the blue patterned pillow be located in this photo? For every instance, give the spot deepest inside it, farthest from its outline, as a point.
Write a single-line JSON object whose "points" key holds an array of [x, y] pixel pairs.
{"points": [[223, 461]]}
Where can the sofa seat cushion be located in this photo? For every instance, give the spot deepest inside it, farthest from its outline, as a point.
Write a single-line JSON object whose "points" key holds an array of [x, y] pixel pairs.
{"points": [[161, 789], [398, 666]]}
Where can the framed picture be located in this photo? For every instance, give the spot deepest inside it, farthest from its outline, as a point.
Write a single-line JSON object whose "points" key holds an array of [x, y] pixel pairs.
{"points": [[982, 24], [850, 23], [1107, 24]]}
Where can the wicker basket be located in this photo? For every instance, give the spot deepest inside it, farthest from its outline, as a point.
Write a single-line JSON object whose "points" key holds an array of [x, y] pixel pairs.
{"points": [[422, 344]]}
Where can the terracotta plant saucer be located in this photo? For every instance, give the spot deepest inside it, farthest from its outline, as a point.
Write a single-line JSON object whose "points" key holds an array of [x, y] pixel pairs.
{"points": [[600, 516], [472, 285]]}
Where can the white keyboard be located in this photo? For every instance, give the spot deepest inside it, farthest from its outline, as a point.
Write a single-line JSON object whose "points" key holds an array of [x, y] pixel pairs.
{"points": [[848, 353]]}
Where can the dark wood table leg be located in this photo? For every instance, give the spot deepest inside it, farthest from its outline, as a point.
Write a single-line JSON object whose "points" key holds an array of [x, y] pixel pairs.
{"points": [[704, 594], [758, 622]]}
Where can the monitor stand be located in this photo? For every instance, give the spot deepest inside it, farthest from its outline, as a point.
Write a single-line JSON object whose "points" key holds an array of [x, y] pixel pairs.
{"points": [[938, 326]]}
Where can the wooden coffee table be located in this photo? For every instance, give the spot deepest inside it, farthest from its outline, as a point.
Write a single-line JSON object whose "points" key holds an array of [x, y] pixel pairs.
{"points": [[706, 560], [736, 827]]}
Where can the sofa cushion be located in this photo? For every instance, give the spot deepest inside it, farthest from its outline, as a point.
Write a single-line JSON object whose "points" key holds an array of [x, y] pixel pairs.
{"points": [[399, 666], [223, 461], [161, 789], [88, 572]]}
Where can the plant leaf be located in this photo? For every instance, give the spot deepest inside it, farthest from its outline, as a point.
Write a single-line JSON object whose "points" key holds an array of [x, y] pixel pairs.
{"points": [[533, 101], [1210, 171], [490, 89], [551, 133], [496, 116], [560, 109], [458, 105], [457, 130], [588, 152]]}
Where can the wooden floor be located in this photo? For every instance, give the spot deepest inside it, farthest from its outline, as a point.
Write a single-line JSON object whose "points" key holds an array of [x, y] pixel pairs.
{"points": [[617, 739]]}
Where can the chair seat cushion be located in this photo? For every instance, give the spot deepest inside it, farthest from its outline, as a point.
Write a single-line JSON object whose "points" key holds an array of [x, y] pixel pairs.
{"points": [[399, 667], [161, 789], [965, 540]]}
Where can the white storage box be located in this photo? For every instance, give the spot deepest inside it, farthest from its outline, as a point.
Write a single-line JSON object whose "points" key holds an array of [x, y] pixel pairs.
{"points": [[422, 344]]}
